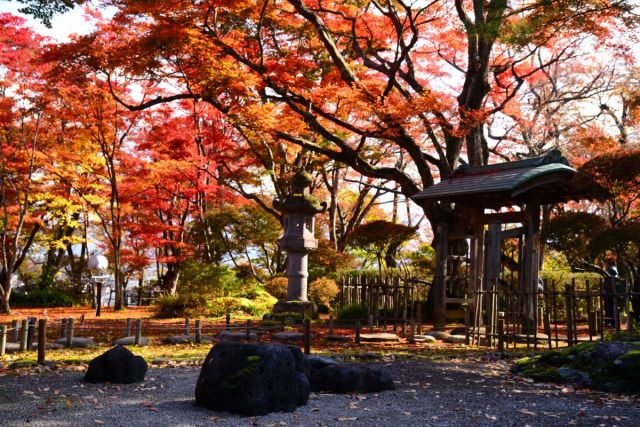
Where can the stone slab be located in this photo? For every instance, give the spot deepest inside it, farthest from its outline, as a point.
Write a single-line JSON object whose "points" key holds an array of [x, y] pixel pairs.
{"points": [[235, 336], [424, 339], [339, 338], [439, 335], [379, 337], [455, 339]]}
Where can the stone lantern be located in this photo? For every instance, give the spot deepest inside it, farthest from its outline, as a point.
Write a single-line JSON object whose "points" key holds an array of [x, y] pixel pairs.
{"points": [[299, 209]]}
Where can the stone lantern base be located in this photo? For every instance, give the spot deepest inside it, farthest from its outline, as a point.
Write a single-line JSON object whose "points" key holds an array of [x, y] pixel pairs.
{"points": [[306, 308]]}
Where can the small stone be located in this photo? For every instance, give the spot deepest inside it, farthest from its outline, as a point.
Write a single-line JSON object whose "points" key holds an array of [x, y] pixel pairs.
{"points": [[79, 342], [288, 336], [144, 341], [339, 378]]}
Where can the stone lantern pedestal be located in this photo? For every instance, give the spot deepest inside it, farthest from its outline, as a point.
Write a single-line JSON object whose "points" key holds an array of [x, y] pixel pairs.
{"points": [[298, 240]]}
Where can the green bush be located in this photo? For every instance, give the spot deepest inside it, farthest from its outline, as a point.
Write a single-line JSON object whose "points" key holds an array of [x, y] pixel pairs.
{"points": [[41, 298], [289, 318], [252, 302], [170, 306], [353, 312], [323, 293], [277, 287]]}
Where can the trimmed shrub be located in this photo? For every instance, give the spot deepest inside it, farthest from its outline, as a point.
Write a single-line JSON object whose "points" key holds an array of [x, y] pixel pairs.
{"points": [[277, 287], [323, 292], [41, 298], [353, 312], [169, 306]]}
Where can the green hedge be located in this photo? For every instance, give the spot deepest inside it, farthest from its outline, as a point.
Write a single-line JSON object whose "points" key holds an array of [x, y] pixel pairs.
{"points": [[41, 298]]}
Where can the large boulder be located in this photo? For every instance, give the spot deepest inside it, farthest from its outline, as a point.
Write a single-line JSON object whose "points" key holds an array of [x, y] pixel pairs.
{"points": [[117, 365], [328, 375], [253, 379], [608, 366]]}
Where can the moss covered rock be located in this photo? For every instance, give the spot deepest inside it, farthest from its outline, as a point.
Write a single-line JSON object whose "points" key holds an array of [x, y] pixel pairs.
{"points": [[608, 366]]}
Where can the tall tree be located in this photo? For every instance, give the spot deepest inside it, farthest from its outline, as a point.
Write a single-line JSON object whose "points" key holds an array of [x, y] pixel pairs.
{"points": [[346, 80]]}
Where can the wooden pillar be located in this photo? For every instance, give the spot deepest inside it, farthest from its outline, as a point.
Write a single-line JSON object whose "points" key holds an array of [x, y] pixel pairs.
{"points": [[440, 277], [529, 283], [476, 272], [492, 275]]}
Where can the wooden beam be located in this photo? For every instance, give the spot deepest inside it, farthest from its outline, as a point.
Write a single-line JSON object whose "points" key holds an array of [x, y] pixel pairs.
{"points": [[513, 232], [504, 217]]}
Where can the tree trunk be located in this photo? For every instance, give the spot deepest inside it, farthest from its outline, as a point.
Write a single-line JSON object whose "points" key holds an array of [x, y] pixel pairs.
{"points": [[170, 278], [5, 282]]}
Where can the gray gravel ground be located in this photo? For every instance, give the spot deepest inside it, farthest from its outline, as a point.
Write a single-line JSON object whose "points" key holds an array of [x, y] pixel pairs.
{"points": [[472, 392]]}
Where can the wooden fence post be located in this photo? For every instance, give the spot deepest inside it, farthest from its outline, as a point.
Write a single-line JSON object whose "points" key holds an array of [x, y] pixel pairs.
{"points": [[127, 330], [331, 324], [63, 328], [186, 326], [501, 332], [98, 298], [198, 331], [370, 322], [569, 314], [307, 336], [357, 332], [138, 336], [3, 339], [419, 319], [42, 340], [24, 331], [248, 330], [412, 331], [70, 324], [227, 320]]}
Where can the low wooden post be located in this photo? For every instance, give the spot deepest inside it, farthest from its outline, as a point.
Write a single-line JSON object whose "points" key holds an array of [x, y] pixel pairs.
{"points": [[127, 330], [24, 331], [186, 326], [227, 320], [42, 340], [412, 331], [569, 314], [370, 322], [501, 333], [198, 331], [331, 324], [307, 336], [31, 332], [248, 330], [98, 298], [14, 331], [3, 339], [404, 319], [419, 319], [357, 332], [70, 325], [467, 323], [63, 328], [138, 336]]}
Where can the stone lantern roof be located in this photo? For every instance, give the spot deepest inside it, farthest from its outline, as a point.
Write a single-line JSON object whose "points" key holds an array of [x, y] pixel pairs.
{"points": [[300, 201]]}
